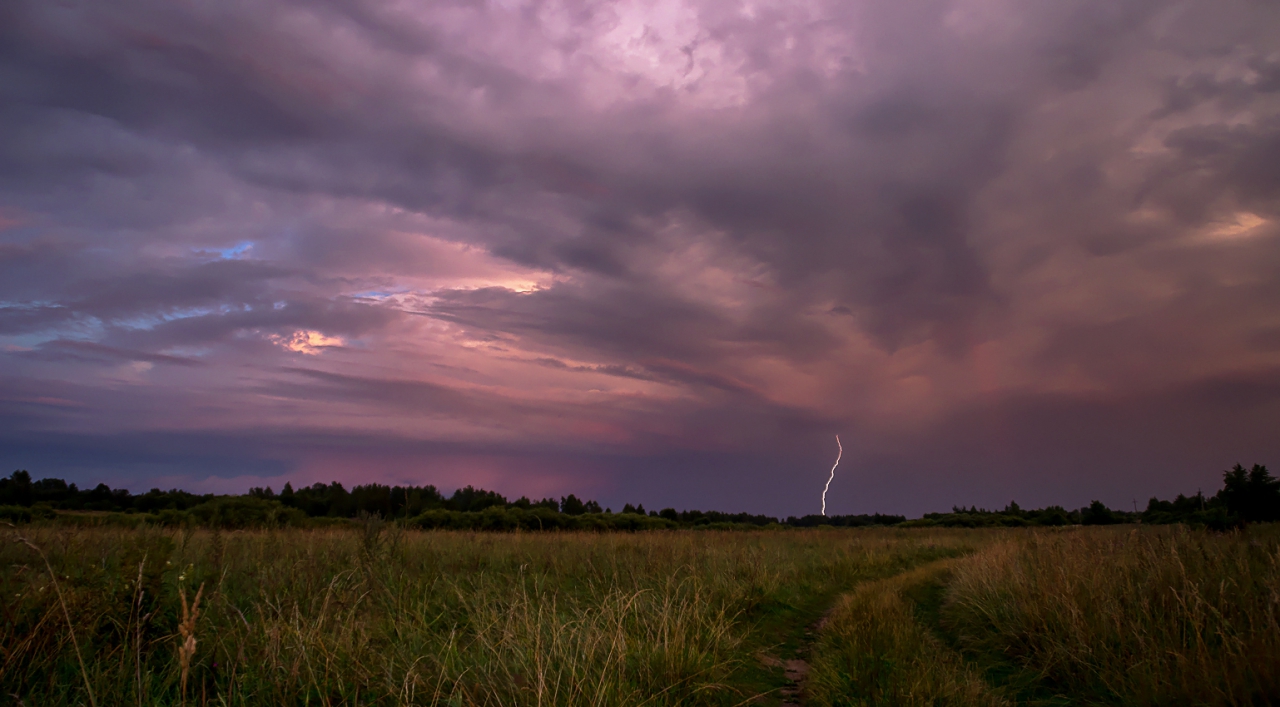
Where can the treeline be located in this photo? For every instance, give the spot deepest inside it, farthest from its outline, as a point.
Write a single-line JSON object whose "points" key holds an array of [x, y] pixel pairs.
{"points": [[1012, 516], [1246, 496], [24, 500]]}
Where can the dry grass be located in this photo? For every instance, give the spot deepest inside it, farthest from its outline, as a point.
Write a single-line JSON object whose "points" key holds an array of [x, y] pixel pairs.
{"points": [[384, 616], [62, 603], [1079, 616], [1151, 616], [187, 636], [874, 651]]}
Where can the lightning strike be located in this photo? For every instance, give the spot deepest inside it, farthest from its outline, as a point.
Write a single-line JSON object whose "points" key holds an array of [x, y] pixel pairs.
{"points": [[833, 475]]}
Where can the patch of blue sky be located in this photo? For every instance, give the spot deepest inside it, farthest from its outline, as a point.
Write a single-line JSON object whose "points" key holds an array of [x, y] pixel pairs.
{"points": [[151, 321], [187, 351], [234, 252], [376, 294], [33, 304]]}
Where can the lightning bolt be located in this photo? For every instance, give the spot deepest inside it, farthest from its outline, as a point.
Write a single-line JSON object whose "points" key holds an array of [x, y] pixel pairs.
{"points": [[833, 475]]}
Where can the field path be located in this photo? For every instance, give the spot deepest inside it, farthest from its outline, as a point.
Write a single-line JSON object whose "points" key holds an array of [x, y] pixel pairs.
{"points": [[791, 634], [796, 668]]}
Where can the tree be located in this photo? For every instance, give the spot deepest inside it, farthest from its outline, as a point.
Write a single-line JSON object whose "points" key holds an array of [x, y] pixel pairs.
{"points": [[1252, 496], [1053, 515], [570, 505], [1098, 514], [470, 498], [16, 490]]}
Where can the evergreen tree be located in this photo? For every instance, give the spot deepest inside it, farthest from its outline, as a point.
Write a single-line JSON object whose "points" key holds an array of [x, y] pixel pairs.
{"points": [[570, 505], [1251, 496]]}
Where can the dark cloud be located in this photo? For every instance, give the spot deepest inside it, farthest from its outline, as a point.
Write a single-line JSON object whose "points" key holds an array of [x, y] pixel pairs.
{"points": [[20, 318], [1240, 161], [1073, 448], [88, 351], [617, 233]]}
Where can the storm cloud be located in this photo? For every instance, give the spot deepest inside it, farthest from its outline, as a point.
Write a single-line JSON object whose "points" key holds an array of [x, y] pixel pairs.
{"points": [[653, 251]]}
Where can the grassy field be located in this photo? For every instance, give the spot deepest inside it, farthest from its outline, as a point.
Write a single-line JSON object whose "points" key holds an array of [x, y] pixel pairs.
{"points": [[383, 615], [1082, 616]]}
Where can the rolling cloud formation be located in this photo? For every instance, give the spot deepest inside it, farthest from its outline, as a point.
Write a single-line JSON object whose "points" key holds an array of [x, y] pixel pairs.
{"points": [[646, 250]]}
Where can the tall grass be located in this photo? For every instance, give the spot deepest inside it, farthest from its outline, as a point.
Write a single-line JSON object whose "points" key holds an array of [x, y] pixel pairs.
{"points": [[380, 615], [1081, 616], [1156, 616], [874, 650]]}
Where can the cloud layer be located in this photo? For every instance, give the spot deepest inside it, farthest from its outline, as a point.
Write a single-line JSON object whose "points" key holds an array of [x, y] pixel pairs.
{"points": [[655, 251]]}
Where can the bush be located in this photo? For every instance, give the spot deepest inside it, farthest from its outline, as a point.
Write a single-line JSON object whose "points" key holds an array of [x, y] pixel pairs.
{"points": [[15, 514], [533, 519], [243, 512], [105, 520]]}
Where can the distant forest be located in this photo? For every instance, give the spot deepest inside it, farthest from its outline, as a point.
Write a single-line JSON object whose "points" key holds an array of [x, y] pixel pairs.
{"points": [[1246, 496]]}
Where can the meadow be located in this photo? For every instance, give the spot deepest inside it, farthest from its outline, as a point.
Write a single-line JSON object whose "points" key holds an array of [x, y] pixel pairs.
{"points": [[381, 614]]}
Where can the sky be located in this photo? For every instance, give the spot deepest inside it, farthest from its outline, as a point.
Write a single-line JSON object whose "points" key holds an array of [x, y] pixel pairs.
{"points": [[646, 251]]}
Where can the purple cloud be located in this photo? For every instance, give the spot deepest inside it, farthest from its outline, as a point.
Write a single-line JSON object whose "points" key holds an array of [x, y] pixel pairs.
{"points": [[659, 250]]}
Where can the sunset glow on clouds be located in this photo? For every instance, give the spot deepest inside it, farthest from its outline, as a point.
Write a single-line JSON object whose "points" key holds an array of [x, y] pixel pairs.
{"points": [[652, 251]]}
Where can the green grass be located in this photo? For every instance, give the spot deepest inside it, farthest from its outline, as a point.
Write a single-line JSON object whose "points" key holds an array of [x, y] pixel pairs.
{"points": [[875, 650], [381, 615], [1133, 616], [374, 614], [1078, 616]]}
